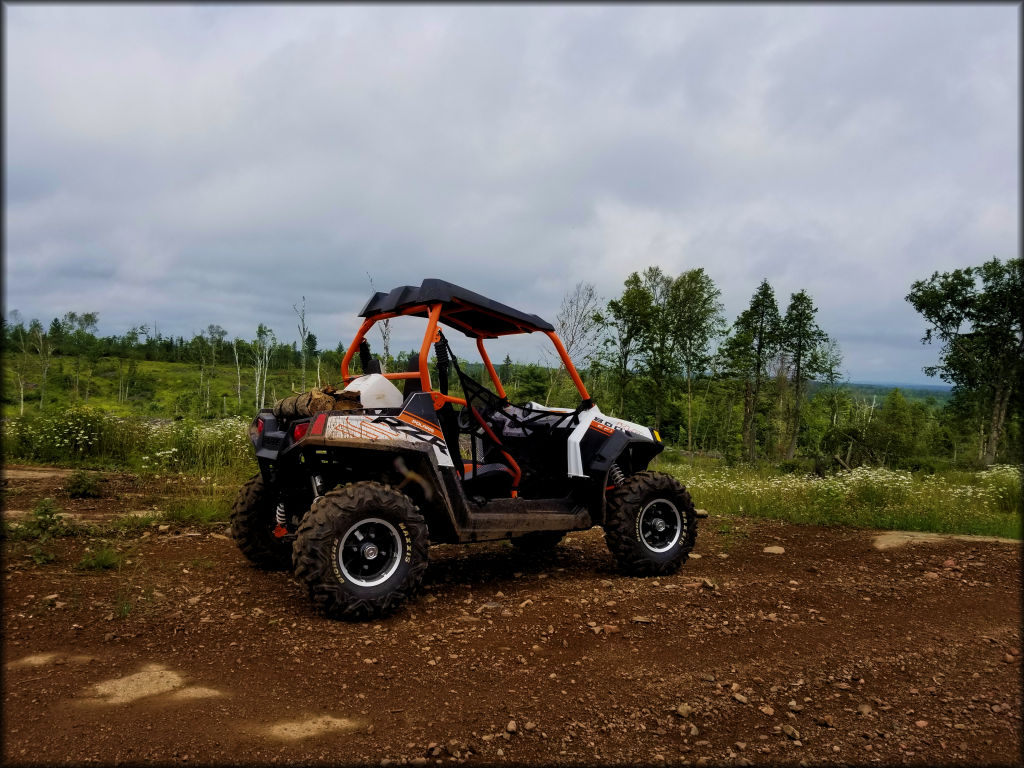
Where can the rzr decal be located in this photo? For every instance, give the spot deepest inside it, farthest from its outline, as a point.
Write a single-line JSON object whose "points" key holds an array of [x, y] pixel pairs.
{"points": [[627, 426], [416, 421], [407, 427], [602, 426]]}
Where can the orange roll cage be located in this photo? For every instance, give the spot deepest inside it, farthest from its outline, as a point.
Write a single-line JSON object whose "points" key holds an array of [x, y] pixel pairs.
{"points": [[434, 316]]}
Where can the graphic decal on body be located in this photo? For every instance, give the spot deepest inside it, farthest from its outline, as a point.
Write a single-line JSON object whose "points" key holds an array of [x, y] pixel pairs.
{"points": [[416, 429], [405, 428]]}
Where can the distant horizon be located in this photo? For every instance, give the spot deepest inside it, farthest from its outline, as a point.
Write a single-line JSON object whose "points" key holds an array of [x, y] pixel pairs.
{"points": [[902, 384], [523, 349]]}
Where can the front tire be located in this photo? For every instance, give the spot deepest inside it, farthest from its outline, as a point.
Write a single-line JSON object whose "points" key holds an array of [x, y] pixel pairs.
{"points": [[651, 525], [361, 551], [253, 521]]}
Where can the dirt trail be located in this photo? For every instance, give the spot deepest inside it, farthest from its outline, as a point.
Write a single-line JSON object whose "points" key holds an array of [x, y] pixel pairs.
{"points": [[833, 651]]}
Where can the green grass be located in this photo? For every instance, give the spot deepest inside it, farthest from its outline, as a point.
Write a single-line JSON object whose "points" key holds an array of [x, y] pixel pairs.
{"points": [[123, 604], [198, 510], [982, 503], [101, 559], [126, 525]]}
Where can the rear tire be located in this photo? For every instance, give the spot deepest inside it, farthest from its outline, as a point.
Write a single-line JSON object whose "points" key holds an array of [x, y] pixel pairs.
{"points": [[252, 526], [361, 551], [651, 525]]}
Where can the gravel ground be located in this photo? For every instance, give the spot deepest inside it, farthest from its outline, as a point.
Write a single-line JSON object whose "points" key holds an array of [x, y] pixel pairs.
{"points": [[830, 651]]}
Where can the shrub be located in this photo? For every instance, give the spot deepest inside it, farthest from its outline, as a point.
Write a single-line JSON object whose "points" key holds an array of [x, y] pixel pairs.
{"points": [[83, 485], [43, 524], [793, 466], [41, 527]]}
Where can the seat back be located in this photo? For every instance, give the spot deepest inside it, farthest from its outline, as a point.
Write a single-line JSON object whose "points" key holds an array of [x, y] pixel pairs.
{"points": [[412, 385]]}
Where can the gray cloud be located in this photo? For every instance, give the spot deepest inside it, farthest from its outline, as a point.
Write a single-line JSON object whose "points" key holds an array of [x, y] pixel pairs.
{"points": [[187, 165]]}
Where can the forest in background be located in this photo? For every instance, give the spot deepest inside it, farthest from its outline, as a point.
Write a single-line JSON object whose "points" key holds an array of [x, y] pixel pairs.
{"points": [[766, 387]]}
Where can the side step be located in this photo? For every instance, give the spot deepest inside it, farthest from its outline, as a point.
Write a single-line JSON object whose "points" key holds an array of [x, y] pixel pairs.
{"points": [[503, 518]]}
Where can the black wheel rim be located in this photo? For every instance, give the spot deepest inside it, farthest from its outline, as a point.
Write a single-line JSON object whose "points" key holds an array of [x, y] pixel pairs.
{"points": [[660, 525], [370, 552]]}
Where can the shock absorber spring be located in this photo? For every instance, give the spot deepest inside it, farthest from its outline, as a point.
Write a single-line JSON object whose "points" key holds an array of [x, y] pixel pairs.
{"points": [[318, 486], [615, 475], [441, 350], [280, 516]]}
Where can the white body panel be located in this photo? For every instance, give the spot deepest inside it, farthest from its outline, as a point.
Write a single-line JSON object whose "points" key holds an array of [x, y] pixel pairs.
{"points": [[588, 417], [575, 460], [375, 391]]}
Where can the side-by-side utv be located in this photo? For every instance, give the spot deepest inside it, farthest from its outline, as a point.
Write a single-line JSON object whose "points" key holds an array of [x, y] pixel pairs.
{"points": [[354, 485]]}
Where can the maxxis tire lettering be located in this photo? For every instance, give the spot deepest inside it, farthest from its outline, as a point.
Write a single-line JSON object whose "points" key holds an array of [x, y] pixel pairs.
{"points": [[317, 543], [334, 560]]}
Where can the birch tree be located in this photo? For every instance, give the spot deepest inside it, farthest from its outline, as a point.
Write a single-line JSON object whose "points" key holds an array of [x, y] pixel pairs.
{"points": [[625, 319], [238, 370], [303, 334], [578, 325], [41, 343], [261, 348]]}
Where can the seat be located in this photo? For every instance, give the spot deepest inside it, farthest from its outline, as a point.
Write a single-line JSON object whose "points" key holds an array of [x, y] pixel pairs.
{"points": [[412, 386]]}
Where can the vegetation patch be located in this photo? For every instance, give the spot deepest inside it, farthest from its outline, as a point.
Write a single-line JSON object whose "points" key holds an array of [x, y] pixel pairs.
{"points": [[40, 529], [981, 503], [101, 559], [127, 525], [83, 485], [198, 510], [86, 436], [43, 524]]}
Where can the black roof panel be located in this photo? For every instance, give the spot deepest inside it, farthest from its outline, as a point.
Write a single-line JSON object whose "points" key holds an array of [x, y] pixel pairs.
{"points": [[472, 314]]}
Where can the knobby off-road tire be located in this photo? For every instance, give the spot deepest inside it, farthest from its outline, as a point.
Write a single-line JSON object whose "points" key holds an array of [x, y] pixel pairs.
{"points": [[537, 542], [361, 551], [651, 524], [252, 526]]}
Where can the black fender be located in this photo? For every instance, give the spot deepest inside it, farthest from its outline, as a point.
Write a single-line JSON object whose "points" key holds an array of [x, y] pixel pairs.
{"points": [[630, 452], [411, 468]]}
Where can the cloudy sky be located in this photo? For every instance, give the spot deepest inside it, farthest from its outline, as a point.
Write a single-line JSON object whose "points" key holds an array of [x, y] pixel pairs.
{"points": [[180, 166]]}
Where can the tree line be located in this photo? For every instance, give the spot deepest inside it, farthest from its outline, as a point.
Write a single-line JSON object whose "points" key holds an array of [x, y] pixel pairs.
{"points": [[69, 355], [767, 386]]}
